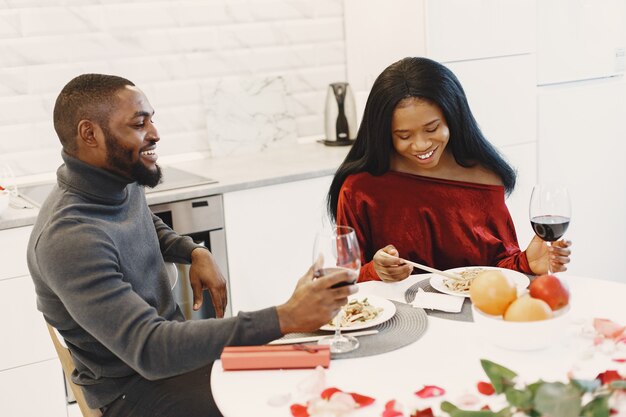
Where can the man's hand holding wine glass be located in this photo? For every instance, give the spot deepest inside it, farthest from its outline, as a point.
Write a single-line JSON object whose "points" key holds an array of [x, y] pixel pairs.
{"points": [[314, 302]]}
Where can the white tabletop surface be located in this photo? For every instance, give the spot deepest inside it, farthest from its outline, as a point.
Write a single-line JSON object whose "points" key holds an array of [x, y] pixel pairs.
{"points": [[447, 355]]}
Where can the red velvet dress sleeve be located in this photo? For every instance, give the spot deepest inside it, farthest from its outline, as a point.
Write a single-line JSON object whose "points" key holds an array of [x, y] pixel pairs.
{"points": [[441, 223]]}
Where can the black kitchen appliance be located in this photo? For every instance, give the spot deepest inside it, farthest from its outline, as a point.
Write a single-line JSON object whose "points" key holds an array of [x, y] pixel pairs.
{"points": [[340, 124]]}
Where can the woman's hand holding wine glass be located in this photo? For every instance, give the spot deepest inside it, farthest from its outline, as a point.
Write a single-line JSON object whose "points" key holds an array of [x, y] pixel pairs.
{"points": [[550, 213]]}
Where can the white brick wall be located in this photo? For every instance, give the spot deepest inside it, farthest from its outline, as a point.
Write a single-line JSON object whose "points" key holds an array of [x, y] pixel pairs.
{"points": [[176, 51]]}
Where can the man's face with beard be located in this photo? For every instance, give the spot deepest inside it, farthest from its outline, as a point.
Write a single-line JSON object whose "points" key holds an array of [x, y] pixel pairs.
{"points": [[131, 138], [124, 160]]}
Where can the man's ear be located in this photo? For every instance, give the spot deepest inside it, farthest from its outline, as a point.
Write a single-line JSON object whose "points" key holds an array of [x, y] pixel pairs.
{"points": [[87, 133]]}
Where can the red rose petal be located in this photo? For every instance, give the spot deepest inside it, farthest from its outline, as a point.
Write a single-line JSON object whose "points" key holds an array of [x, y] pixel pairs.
{"points": [[608, 376], [486, 407], [430, 391], [426, 412], [299, 410], [613, 412], [619, 360], [485, 388], [390, 410], [328, 392], [362, 400]]}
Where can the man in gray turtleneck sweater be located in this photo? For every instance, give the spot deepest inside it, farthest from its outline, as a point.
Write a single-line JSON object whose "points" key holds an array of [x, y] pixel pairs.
{"points": [[97, 257]]}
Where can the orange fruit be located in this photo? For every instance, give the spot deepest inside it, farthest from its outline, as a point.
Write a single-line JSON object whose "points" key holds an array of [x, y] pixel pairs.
{"points": [[492, 292], [527, 308]]}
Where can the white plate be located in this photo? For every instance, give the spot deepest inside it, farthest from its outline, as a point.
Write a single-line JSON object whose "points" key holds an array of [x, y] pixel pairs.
{"points": [[437, 281], [389, 309]]}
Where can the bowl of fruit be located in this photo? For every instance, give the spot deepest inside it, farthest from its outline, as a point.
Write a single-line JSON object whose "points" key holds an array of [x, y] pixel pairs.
{"points": [[528, 320]]}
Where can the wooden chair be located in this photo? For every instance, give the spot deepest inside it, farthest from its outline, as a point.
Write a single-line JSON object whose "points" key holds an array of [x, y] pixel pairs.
{"points": [[66, 358], [68, 367]]}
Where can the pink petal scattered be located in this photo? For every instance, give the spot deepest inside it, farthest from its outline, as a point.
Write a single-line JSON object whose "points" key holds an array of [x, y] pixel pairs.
{"points": [[391, 410], [598, 340], [608, 328], [430, 391]]}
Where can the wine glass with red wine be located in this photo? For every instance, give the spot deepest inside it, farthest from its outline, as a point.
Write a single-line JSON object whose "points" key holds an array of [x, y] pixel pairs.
{"points": [[338, 249], [550, 212]]}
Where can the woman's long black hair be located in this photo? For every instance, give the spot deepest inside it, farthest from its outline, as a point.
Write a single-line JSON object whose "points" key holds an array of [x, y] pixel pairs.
{"points": [[425, 79]]}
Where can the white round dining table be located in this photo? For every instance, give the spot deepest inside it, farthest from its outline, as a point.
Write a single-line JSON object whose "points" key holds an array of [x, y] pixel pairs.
{"points": [[447, 355]]}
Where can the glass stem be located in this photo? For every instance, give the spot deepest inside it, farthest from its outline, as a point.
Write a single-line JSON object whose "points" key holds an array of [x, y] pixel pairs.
{"points": [[338, 325], [549, 257]]}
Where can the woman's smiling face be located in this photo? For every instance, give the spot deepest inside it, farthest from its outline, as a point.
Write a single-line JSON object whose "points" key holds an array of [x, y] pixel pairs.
{"points": [[419, 133]]}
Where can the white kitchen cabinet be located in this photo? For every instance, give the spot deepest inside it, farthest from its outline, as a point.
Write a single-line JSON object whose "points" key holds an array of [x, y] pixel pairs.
{"points": [[471, 29], [13, 243], [444, 30], [17, 296], [580, 39], [581, 135], [523, 158], [35, 390], [269, 236], [31, 380], [502, 94]]}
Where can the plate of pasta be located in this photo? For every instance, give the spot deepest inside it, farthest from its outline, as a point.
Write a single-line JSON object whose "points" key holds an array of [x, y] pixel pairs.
{"points": [[363, 311], [461, 288]]}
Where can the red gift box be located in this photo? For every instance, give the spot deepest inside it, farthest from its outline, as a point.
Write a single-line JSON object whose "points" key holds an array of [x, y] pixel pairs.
{"points": [[275, 357]]}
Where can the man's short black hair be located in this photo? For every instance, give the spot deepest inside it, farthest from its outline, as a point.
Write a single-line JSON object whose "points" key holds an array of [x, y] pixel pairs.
{"points": [[87, 96]]}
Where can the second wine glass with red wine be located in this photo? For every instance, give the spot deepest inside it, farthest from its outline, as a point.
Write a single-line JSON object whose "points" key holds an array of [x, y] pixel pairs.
{"points": [[338, 249], [550, 212]]}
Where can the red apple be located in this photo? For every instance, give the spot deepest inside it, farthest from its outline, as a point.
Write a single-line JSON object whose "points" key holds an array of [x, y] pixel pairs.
{"points": [[551, 290]]}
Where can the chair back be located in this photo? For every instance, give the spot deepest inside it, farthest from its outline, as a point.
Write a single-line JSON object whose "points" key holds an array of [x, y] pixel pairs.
{"points": [[68, 367]]}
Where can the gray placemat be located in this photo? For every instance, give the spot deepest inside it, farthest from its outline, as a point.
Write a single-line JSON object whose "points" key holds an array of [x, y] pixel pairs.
{"points": [[405, 327], [464, 315]]}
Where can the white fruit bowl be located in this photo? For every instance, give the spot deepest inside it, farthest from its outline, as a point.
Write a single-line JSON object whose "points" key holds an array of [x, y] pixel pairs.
{"points": [[527, 335], [5, 195]]}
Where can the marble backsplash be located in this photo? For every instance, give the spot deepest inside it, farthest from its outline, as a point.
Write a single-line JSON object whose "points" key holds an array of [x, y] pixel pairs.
{"points": [[224, 76]]}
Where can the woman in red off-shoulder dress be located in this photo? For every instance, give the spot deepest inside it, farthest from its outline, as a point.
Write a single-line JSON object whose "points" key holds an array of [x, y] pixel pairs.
{"points": [[421, 182]]}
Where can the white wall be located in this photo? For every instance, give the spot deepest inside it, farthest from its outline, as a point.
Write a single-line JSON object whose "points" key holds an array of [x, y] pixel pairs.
{"points": [[185, 55]]}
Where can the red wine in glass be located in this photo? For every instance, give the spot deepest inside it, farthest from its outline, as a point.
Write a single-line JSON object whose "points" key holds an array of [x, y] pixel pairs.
{"points": [[550, 212], [550, 228]]}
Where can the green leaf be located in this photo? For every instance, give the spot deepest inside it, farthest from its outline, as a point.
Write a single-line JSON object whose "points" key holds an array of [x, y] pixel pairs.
{"points": [[499, 376], [448, 407], [522, 399], [558, 400], [598, 407], [586, 385]]}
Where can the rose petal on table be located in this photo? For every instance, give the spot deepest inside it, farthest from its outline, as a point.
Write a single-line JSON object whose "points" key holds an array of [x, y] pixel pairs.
{"points": [[299, 410], [392, 409], [619, 360], [485, 407], [362, 400], [608, 376], [608, 328], [430, 391], [328, 392], [485, 388], [426, 412]]}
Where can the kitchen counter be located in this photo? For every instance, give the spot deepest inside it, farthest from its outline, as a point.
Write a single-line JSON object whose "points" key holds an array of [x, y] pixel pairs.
{"points": [[272, 166]]}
